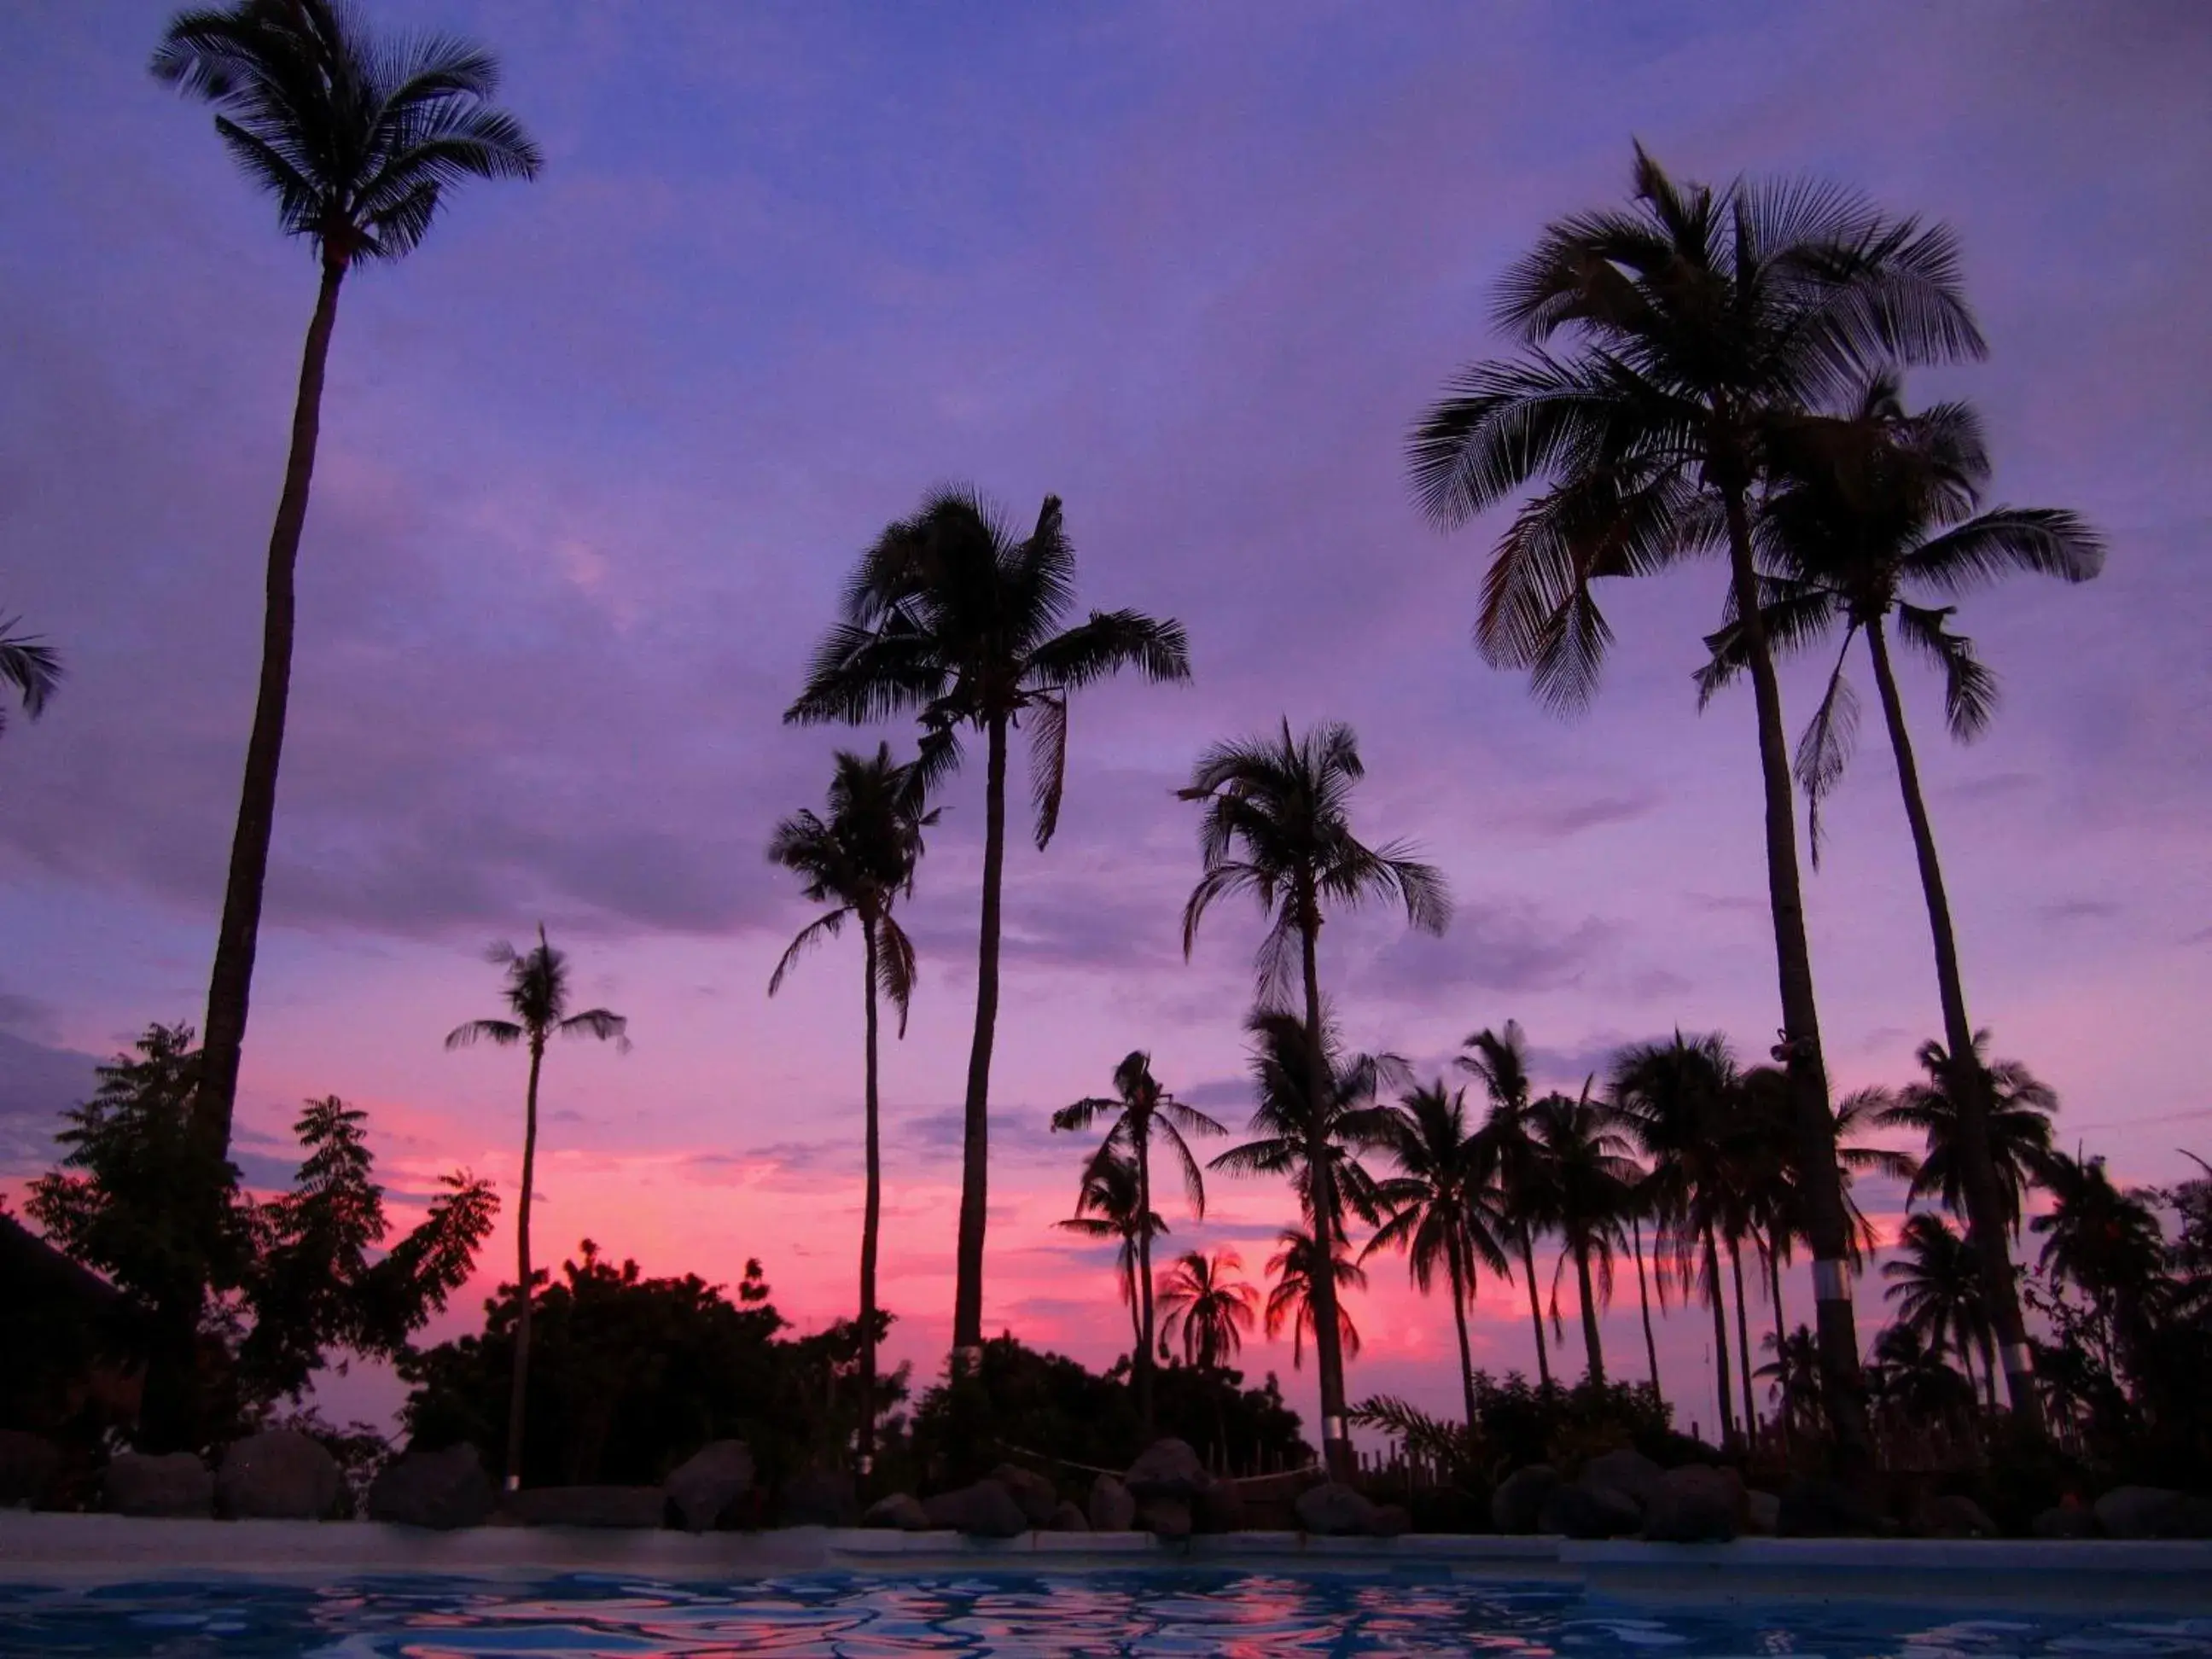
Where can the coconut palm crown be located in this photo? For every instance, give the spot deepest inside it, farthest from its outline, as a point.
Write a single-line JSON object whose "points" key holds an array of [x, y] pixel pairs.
{"points": [[29, 664]]}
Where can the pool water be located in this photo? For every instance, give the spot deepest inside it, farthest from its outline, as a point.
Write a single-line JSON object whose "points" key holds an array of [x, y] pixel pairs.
{"points": [[1241, 1615]]}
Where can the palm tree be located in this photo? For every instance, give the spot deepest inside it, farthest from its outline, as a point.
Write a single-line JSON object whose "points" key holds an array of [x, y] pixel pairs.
{"points": [[29, 664], [1501, 1061], [359, 140], [1795, 1371], [1912, 1387], [1442, 1203], [1295, 1298], [1108, 1208], [858, 860], [1638, 1208], [1278, 826], [1207, 1307], [1142, 1110], [2104, 1241], [1593, 1183], [1937, 1283], [1704, 319], [2017, 1125], [538, 996], [951, 614], [1874, 514]]}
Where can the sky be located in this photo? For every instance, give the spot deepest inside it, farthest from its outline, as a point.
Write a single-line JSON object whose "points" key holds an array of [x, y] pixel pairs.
{"points": [[596, 457]]}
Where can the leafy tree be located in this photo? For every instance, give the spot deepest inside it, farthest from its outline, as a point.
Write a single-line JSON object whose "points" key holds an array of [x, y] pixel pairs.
{"points": [[1937, 1286], [2104, 1240], [360, 141], [1500, 1060], [1593, 1182], [1703, 320], [1110, 1206], [30, 665], [1142, 1111], [1294, 1300], [1277, 824], [859, 861], [538, 995], [951, 614]]}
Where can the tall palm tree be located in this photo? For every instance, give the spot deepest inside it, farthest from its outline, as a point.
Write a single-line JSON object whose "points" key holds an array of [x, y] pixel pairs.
{"points": [[859, 859], [537, 995], [1143, 1111], [1108, 1207], [30, 665], [1278, 826], [2017, 1125], [1207, 1307], [1703, 320], [1937, 1283], [954, 616], [359, 140], [1442, 1203], [1874, 514], [1294, 1299], [1639, 1208], [1500, 1060], [1593, 1183]]}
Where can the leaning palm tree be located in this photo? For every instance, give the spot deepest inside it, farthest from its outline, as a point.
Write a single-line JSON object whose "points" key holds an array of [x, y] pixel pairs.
{"points": [[859, 859], [359, 140], [1295, 1298], [538, 996], [1142, 1111], [954, 616], [1108, 1208], [1207, 1307], [1278, 826], [30, 665], [1593, 1184], [1703, 319], [1874, 514], [1500, 1060], [1937, 1286], [1442, 1203]]}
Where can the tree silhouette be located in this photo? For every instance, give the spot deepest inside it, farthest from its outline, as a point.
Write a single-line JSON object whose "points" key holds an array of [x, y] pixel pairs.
{"points": [[1208, 1308], [1108, 1207], [1500, 1060], [1292, 1300], [1593, 1183], [30, 665]]}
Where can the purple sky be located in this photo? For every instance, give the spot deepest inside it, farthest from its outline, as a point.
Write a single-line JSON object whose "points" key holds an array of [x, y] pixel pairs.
{"points": [[596, 457]]}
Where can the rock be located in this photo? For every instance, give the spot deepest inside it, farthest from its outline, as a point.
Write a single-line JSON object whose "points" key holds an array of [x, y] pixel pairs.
{"points": [[1952, 1517], [1626, 1470], [706, 1487], [1167, 1469], [2067, 1520], [443, 1489], [1518, 1502], [986, 1510], [28, 1468], [1068, 1517], [1813, 1508], [1221, 1508], [175, 1484], [1391, 1519], [1581, 1511], [2152, 1512], [278, 1475], [1693, 1505], [1113, 1507], [1165, 1518], [1031, 1490], [1762, 1512], [900, 1512], [588, 1506], [1333, 1509], [817, 1498]]}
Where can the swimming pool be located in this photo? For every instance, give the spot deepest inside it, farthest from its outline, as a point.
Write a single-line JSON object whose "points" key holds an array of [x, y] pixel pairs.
{"points": [[1241, 1615]]}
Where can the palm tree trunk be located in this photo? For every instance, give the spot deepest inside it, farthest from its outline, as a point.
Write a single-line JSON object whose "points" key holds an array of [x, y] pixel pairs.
{"points": [[1828, 1224], [517, 1390], [1774, 1293], [976, 1128], [872, 1214], [1535, 1309], [1328, 1345], [1720, 1336], [1970, 1083], [230, 982], [1643, 1302], [1743, 1345], [1459, 1318], [1593, 1350], [1144, 1364]]}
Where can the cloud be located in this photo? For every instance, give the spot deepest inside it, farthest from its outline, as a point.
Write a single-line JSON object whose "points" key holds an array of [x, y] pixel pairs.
{"points": [[1506, 946], [38, 1084], [2077, 910]]}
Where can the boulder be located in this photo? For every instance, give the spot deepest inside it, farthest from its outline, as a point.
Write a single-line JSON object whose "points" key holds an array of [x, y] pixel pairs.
{"points": [[278, 1475], [1762, 1512], [1068, 1517], [817, 1498], [1165, 1518], [1625, 1471], [900, 1512], [1031, 1490], [2152, 1512], [1167, 1469], [588, 1506], [2067, 1520], [707, 1486], [1334, 1510], [28, 1468], [1813, 1508], [1221, 1508], [1518, 1503], [1580, 1511], [1113, 1507], [986, 1510], [1391, 1519], [175, 1484], [1694, 1504], [1951, 1517], [443, 1489]]}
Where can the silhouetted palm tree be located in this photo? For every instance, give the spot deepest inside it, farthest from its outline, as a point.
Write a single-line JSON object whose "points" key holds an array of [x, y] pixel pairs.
{"points": [[1795, 1374], [1278, 826], [1208, 1307], [1593, 1183], [1108, 1208], [2018, 1124], [1293, 1298], [1937, 1284], [1442, 1203], [1913, 1390], [359, 140], [1501, 1061], [538, 995], [1874, 514], [1143, 1111], [1704, 320], [859, 859], [952, 615], [29, 664], [2103, 1240]]}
